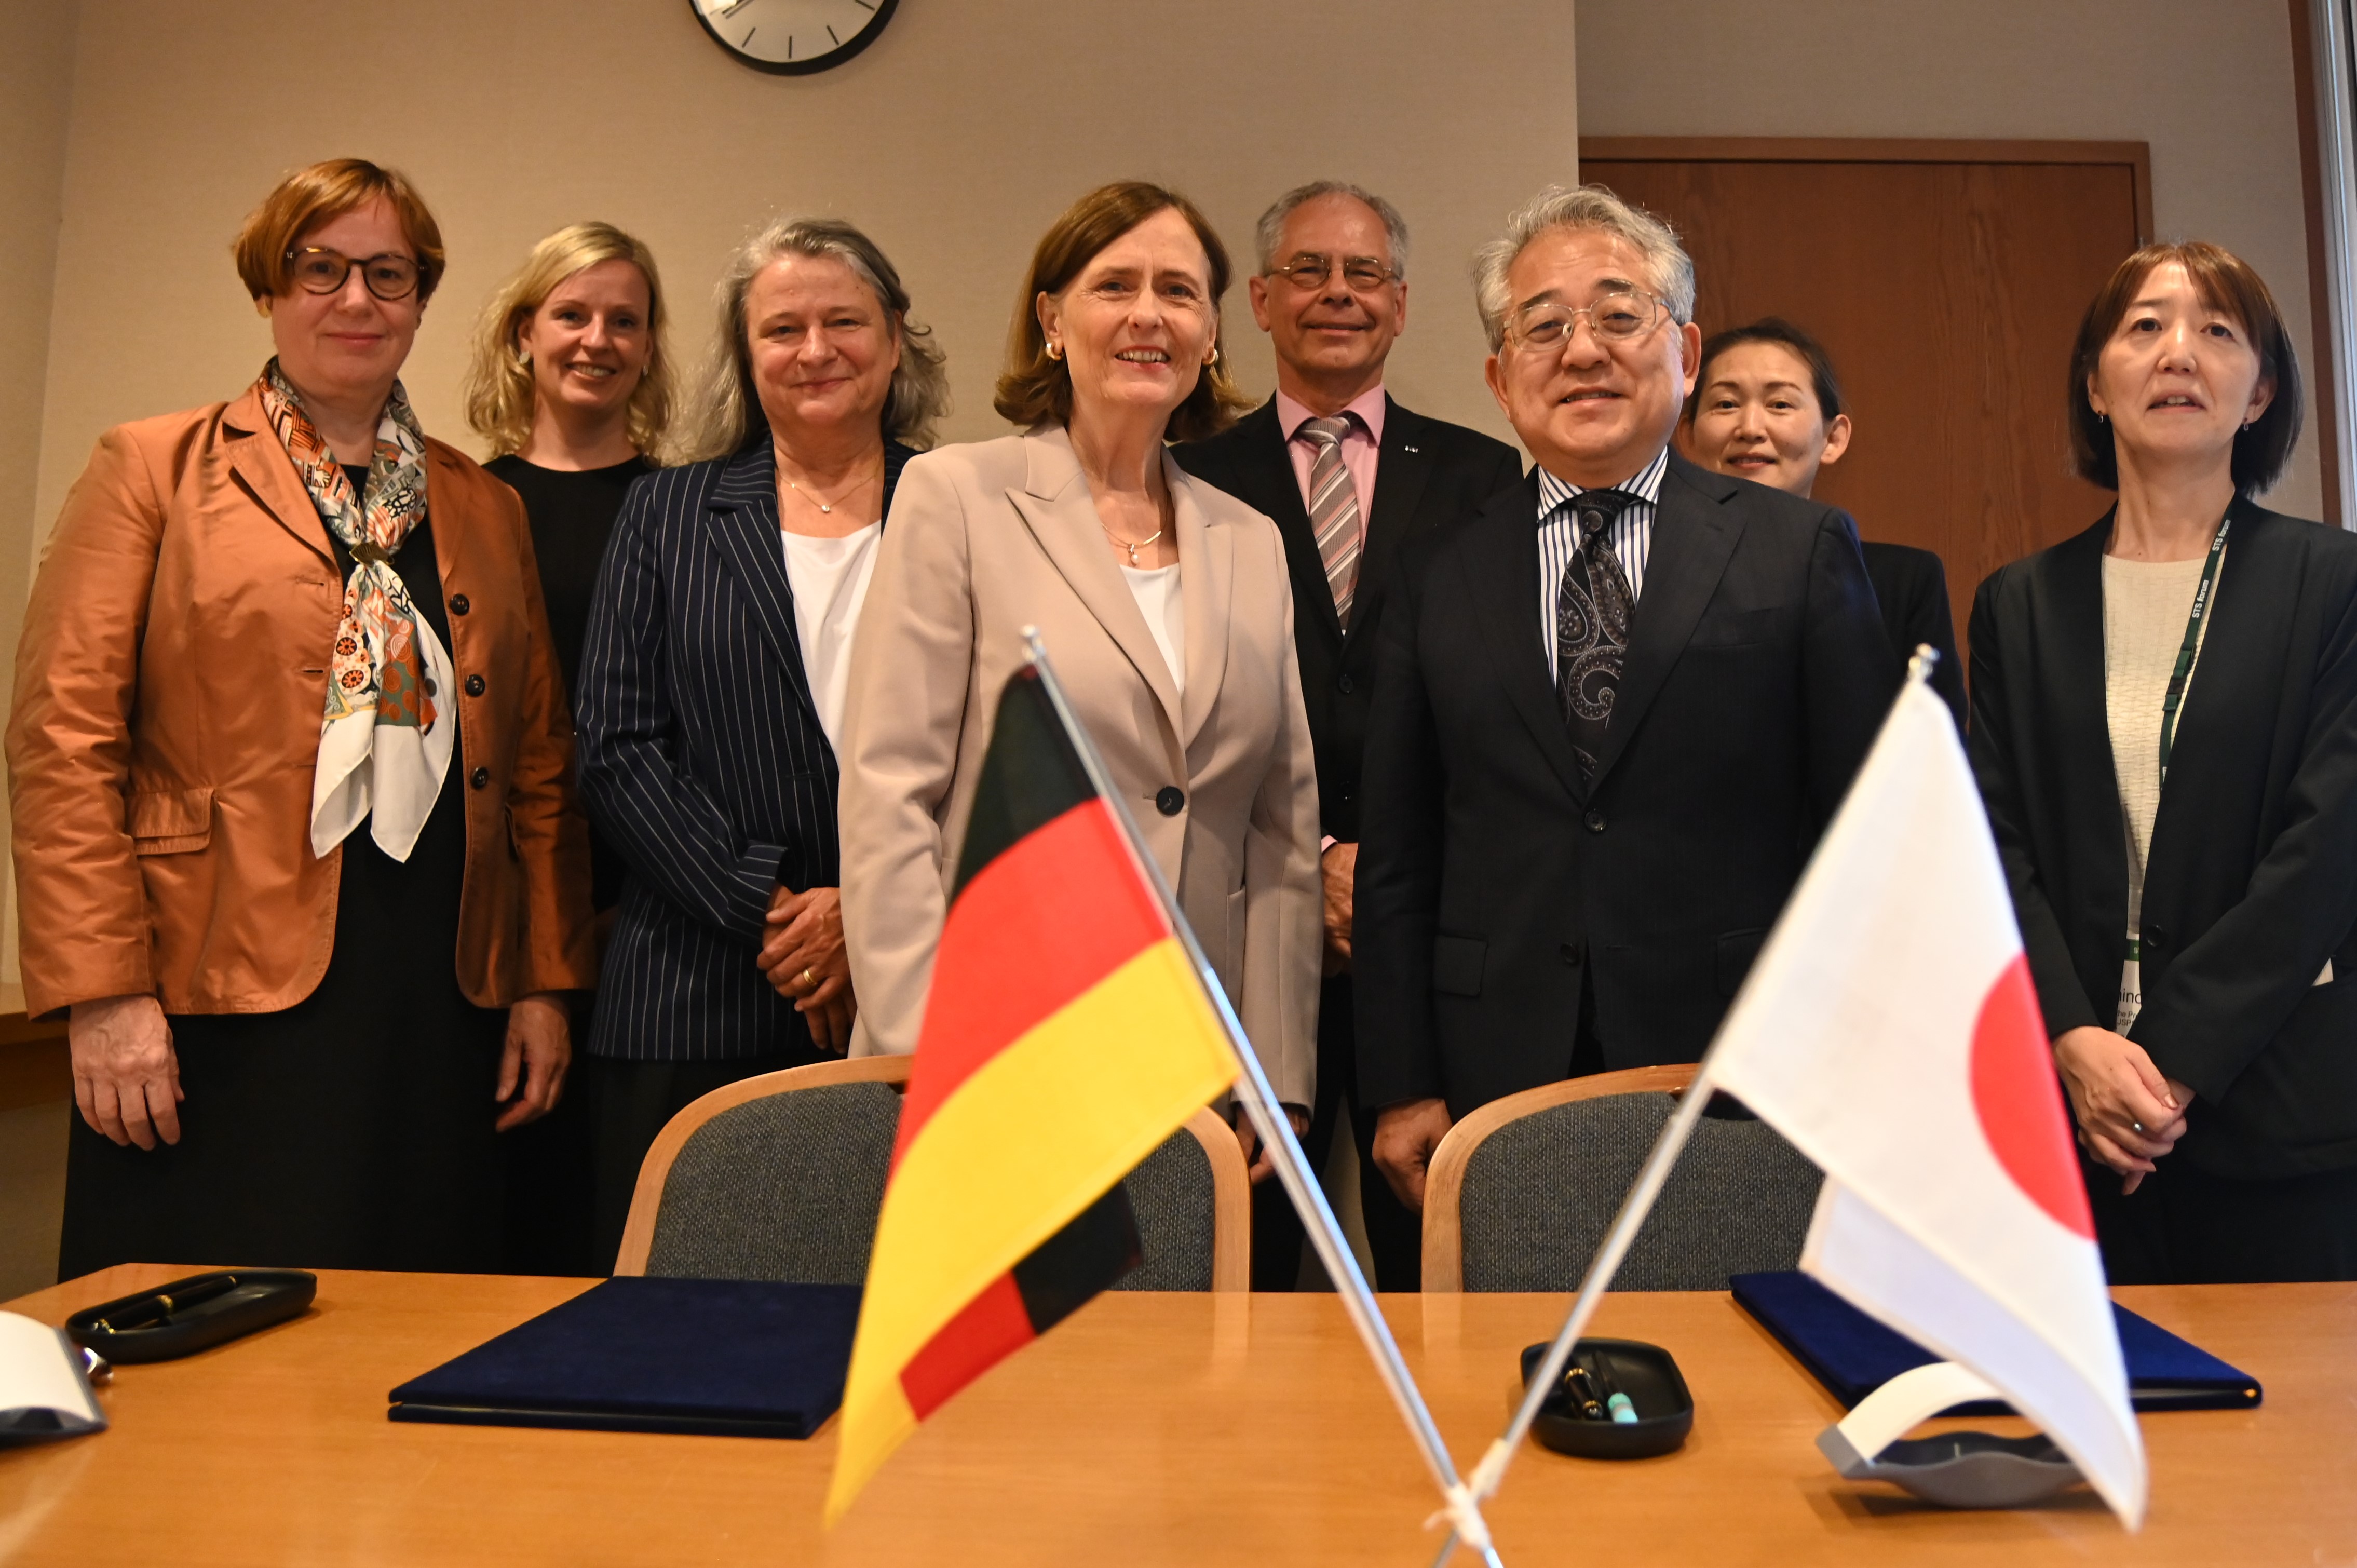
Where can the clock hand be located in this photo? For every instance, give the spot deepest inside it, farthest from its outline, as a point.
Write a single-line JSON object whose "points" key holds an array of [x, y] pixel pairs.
{"points": [[728, 10]]}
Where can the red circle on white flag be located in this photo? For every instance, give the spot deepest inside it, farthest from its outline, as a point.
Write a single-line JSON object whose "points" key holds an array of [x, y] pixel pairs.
{"points": [[2020, 1103]]}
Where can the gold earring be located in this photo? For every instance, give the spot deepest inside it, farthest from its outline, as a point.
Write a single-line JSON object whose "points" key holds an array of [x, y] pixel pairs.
{"points": [[1212, 358], [1055, 349]]}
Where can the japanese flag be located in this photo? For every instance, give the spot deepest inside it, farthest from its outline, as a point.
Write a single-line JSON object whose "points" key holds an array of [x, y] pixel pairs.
{"points": [[1889, 1031]]}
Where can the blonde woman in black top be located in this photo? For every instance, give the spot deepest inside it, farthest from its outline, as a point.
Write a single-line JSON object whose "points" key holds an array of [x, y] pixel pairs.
{"points": [[571, 388]]}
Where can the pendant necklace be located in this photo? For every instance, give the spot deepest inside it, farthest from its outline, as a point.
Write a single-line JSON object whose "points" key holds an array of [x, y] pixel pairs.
{"points": [[827, 508], [1125, 544]]}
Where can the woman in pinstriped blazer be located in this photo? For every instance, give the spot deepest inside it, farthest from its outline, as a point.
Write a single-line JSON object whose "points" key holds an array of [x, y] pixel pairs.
{"points": [[711, 684]]}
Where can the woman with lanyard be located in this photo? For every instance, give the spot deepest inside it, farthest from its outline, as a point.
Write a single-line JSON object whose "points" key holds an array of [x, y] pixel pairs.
{"points": [[2165, 728]]}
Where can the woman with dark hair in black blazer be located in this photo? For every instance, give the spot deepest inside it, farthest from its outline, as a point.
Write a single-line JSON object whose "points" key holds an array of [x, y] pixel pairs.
{"points": [[1767, 407], [2164, 728], [712, 682]]}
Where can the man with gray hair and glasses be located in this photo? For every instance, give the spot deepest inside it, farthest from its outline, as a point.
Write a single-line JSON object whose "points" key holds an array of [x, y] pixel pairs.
{"points": [[1612, 713], [1351, 477]]}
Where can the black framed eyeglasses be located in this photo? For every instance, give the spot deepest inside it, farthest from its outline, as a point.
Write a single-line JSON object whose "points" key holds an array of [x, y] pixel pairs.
{"points": [[315, 269], [1364, 275]]}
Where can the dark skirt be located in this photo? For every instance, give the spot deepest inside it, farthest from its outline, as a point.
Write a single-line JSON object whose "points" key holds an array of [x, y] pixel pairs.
{"points": [[2185, 1226], [352, 1131]]}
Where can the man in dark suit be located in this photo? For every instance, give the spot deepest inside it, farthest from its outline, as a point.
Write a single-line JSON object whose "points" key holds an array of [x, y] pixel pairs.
{"points": [[1612, 713], [1350, 478]]}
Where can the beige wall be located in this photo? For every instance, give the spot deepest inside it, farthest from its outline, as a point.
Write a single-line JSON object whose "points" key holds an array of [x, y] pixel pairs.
{"points": [[37, 54], [954, 139], [2207, 83], [37, 50]]}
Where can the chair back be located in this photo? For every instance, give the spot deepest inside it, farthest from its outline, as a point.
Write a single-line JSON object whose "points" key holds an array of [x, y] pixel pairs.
{"points": [[1192, 1198], [1521, 1193], [781, 1177], [774, 1178]]}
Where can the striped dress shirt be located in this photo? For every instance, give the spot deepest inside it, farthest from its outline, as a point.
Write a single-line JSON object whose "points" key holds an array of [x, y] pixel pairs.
{"points": [[702, 760], [1632, 538]]}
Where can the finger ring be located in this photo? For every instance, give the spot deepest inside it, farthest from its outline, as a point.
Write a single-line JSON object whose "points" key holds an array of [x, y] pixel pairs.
{"points": [[812, 980], [2137, 1128]]}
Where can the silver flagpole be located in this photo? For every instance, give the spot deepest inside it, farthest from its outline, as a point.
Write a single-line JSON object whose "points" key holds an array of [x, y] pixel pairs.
{"points": [[1276, 1131], [1617, 1242], [1600, 1270]]}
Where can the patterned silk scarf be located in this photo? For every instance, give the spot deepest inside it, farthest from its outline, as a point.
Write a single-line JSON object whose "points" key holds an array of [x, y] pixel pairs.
{"points": [[383, 748]]}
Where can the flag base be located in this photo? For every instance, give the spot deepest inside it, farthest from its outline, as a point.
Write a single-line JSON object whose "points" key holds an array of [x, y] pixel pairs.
{"points": [[1954, 1470]]}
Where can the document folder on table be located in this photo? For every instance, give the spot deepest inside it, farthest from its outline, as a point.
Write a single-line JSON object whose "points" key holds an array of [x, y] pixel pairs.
{"points": [[1852, 1355], [724, 1357]]}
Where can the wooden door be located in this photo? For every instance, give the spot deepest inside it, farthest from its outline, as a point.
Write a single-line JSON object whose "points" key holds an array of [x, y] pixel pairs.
{"points": [[1946, 279]]}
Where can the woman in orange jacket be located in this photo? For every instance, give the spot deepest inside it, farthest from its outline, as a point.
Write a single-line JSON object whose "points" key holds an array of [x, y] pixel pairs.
{"points": [[296, 849]]}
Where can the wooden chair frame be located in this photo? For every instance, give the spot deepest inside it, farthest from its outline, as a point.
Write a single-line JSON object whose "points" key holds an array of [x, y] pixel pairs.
{"points": [[1443, 1181], [1231, 1181]]}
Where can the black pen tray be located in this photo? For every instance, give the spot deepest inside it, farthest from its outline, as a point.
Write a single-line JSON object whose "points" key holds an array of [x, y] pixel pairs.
{"points": [[259, 1298], [1646, 1373]]}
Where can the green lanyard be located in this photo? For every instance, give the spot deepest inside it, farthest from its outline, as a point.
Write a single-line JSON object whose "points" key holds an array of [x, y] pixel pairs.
{"points": [[2183, 674]]}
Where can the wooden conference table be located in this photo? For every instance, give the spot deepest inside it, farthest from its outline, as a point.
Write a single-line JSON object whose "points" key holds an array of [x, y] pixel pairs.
{"points": [[1149, 1429]]}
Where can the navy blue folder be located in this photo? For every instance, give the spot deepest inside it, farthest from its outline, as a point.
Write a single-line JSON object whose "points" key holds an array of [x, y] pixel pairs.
{"points": [[726, 1357], [1852, 1355]]}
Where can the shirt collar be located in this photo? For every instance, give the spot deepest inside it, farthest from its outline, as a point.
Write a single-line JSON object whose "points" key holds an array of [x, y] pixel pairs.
{"points": [[1368, 406], [1554, 493]]}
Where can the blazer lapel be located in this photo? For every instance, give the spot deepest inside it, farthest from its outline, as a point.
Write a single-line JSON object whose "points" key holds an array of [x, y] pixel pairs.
{"points": [[2246, 641], [1694, 535], [1501, 560], [742, 513], [895, 457], [2069, 627], [1056, 505], [1272, 488], [1207, 580], [267, 474], [451, 545], [1403, 467]]}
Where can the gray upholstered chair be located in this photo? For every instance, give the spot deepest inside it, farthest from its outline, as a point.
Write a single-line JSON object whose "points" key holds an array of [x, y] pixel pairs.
{"points": [[1521, 1193], [781, 1177], [1192, 1198]]}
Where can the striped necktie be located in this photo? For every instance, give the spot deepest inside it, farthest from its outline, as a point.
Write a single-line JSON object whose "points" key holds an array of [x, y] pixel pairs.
{"points": [[1334, 511]]}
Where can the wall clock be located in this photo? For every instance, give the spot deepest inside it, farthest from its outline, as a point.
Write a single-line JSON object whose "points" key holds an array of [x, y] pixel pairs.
{"points": [[792, 38]]}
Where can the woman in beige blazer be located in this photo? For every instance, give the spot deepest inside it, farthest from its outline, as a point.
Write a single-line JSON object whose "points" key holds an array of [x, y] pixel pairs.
{"points": [[1164, 603]]}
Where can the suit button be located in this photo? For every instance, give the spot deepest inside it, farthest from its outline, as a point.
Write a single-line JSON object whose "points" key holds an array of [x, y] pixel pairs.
{"points": [[1344, 685], [2154, 938], [474, 685], [459, 605], [1595, 821], [1574, 953], [480, 777], [1171, 801]]}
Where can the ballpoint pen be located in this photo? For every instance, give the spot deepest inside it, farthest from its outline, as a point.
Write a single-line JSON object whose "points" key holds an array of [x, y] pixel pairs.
{"points": [[149, 1311]]}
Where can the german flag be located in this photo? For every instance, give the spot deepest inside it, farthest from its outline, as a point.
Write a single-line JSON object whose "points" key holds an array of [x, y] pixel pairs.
{"points": [[1065, 1037]]}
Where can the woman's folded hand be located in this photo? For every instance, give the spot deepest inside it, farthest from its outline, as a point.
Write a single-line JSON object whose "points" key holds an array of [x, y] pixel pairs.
{"points": [[2129, 1114]]}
